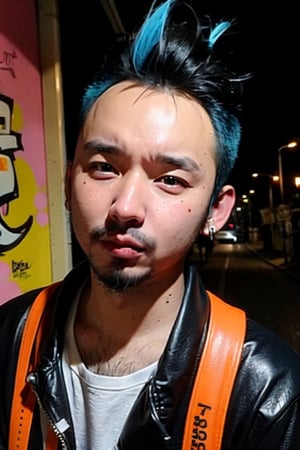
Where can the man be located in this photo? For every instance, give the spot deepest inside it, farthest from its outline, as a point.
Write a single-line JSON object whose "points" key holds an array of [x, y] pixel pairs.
{"points": [[123, 334]]}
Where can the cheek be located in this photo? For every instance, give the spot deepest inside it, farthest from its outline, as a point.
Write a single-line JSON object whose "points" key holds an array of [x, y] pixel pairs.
{"points": [[194, 209], [182, 222], [84, 191], [86, 204]]}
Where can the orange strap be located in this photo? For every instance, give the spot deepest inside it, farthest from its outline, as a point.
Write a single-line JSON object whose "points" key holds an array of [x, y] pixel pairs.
{"points": [[215, 377], [209, 401], [23, 398]]}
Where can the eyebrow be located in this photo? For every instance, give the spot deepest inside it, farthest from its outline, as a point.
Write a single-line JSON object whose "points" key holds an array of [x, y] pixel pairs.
{"points": [[101, 147], [181, 162]]}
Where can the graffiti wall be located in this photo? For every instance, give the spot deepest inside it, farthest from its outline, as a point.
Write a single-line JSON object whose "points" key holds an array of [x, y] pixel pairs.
{"points": [[25, 251]]}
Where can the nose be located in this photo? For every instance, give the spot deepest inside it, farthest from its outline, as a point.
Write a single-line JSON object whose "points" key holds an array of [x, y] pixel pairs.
{"points": [[128, 205]]}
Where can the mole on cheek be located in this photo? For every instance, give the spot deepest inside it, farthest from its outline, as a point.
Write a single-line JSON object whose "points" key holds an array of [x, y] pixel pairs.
{"points": [[189, 210]]}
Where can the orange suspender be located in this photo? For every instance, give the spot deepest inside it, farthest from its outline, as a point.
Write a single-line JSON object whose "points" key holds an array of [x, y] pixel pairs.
{"points": [[23, 398], [215, 377], [210, 397]]}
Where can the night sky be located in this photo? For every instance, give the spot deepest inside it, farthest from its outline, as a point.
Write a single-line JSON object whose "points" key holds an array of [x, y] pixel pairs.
{"points": [[267, 45]]}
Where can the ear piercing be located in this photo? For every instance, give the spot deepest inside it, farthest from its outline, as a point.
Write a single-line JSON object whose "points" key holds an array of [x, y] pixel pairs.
{"points": [[211, 228]]}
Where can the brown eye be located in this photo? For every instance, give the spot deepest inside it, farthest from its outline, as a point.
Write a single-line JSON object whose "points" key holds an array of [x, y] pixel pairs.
{"points": [[102, 167], [102, 170], [170, 180]]}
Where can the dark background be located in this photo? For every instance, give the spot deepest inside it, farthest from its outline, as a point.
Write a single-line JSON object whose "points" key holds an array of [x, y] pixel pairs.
{"points": [[267, 45]]}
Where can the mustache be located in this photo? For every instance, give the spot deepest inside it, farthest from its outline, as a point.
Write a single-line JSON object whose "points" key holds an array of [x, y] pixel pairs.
{"points": [[114, 228]]}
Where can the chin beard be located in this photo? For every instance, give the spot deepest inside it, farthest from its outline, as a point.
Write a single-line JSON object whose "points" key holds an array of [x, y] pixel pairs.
{"points": [[119, 281]]}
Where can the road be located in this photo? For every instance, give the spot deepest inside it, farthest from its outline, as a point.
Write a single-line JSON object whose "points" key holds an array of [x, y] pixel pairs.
{"points": [[268, 296]]}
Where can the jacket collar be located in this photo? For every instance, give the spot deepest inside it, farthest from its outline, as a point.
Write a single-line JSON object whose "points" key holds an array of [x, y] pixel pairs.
{"points": [[160, 410]]}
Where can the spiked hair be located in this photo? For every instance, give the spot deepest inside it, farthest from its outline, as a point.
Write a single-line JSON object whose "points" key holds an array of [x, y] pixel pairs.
{"points": [[175, 49]]}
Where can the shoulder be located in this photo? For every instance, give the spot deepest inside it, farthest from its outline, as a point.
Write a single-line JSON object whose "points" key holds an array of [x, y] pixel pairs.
{"points": [[13, 314], [17, 306], [264, 348], [265, 404], [269, 365]]}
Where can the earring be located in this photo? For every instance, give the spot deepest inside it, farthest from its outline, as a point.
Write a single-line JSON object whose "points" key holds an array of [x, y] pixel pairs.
{"points": [[211, 232], [211, 229]]}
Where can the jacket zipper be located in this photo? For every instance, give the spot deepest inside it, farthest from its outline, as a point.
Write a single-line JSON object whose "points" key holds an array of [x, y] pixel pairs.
{"points": [[155, 414], [31, 378]]}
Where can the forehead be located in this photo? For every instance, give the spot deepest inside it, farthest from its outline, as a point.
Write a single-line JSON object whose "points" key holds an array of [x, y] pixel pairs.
{"points": [[130, 114]]}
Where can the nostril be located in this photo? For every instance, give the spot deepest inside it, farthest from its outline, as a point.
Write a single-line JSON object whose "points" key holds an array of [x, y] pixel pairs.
{"points": [[117, 224]]}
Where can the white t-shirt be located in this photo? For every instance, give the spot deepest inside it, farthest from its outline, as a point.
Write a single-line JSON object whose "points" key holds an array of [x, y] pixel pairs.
{"points": [[99, 404]]}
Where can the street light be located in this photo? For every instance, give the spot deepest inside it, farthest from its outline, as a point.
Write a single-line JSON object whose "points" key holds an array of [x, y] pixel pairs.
{"points": [[292, 144]]}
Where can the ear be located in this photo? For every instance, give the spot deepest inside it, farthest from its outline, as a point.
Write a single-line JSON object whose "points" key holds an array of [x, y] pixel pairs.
{"points": [[68, 176], [220, 210]]}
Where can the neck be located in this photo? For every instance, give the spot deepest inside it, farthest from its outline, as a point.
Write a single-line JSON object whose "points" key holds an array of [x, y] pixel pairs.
{"points": [[118, 333]]}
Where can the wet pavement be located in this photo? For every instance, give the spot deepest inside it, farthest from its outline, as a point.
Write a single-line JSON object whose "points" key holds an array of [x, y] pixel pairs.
{"points": [[240, 274], [276, 259]]}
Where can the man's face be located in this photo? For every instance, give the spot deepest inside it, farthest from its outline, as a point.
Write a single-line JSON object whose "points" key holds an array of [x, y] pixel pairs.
{"points": [[141, 182]]}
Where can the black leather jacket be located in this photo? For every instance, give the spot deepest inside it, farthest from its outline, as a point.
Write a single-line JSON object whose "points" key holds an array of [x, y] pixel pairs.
{"points": [[264, 411]]}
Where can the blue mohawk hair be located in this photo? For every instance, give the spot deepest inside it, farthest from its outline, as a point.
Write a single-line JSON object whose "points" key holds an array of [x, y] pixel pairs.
{"points": [[150, 34], [217, 32], [177, 49]]}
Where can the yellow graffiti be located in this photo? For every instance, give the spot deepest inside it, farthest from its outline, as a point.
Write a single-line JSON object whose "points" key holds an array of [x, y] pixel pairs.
{"points": [[17, 118], [32, 256]]}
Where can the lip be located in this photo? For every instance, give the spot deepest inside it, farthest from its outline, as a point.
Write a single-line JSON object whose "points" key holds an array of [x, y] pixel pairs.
{"points": [[123, 247]]}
